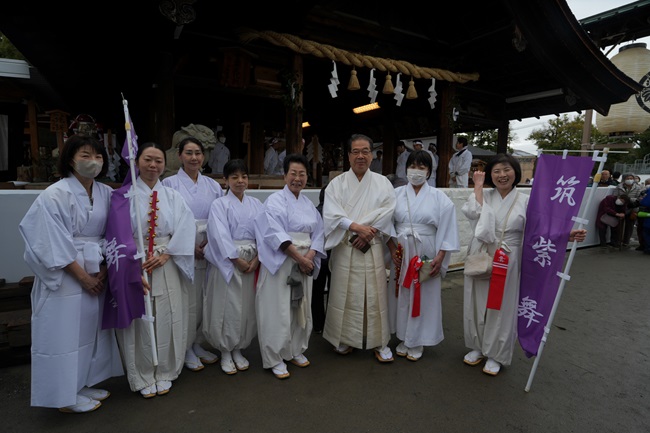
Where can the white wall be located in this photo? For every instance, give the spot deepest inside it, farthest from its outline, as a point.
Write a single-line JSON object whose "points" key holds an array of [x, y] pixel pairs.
{"points": [[15, 203]]}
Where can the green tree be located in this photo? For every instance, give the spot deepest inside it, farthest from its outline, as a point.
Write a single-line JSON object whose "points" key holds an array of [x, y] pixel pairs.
{"points": [[7, 49], [488, 139]]}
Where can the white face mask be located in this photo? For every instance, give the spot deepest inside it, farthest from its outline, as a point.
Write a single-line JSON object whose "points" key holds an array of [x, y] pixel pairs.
{"points": [[629, 182], [88, 168], [619, 202], [415, 176]]}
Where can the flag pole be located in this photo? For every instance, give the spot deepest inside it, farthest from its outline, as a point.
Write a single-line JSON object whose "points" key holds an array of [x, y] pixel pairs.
{"points": [[148, 316], [564, 276]]}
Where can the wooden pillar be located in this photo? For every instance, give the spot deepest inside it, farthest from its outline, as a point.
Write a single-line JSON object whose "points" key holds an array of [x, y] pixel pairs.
{"points": [[58, 125], [502, 137], [294, 112], [163, 120], [256, 148], [33, 132], [446, 134], [389, 158]]}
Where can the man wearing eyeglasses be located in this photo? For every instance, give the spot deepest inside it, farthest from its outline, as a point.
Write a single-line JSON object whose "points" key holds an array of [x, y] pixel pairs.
{"points": [[358, 213]]}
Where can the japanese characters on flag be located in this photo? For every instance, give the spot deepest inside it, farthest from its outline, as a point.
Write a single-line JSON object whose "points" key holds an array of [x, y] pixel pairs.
{"points": [[124, 298], [555, 198]]}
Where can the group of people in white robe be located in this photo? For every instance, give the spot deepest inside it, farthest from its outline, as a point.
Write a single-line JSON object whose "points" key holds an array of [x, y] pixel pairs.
{"points": [[241, 269]]}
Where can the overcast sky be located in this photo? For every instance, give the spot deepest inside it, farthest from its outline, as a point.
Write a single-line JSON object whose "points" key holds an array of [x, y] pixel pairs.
{"points": [[581, 9]]}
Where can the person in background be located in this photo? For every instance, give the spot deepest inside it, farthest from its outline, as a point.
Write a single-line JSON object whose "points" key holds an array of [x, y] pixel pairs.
{"points": [[400, 168], [642, 222], [199, 192], [219, 155], [616, 176], [425, 222], [229, 308], [492, 333], [290, 241], [171, 261], [63, 231], [459, 165], [279, 168], [645, 222], [615, 206], [376, 164], [358, 217], [606, 179], [271, 157], [633, 191], [434, 167]]}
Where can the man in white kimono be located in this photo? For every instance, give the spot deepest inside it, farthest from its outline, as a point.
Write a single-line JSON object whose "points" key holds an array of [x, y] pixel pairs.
{"points": [[459, 165], [357, 214], [271, 158]]}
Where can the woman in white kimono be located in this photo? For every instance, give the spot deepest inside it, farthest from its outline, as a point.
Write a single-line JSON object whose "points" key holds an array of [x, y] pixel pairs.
{"points": [[491, 333], [174, 239], [425, 223], [229, 307], [290, 242], [64, 232], [199, 192]]}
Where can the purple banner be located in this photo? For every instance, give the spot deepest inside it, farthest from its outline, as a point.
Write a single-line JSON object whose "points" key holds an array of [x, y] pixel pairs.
{"points": [[555, 198], [125, 297]]}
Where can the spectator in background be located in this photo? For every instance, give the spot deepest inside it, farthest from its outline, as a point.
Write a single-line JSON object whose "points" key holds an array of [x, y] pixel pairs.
{"points": [[433, 149], [614, 206], [459, 165], [375, 165], [616, 175], [643, 222], [219, 155], [606, 179], [271, 157], [633, 191], [400, 168]]}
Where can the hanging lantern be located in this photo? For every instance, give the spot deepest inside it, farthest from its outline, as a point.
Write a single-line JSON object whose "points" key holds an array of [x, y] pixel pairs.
{"points": [[632, 116]]}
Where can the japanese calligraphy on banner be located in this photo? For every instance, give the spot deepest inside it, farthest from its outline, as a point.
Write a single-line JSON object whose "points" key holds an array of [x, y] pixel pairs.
{"points": [[555, 199]]}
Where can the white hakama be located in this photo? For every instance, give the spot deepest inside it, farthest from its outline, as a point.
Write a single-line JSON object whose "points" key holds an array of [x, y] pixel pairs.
{"points": [[494, 332], [175, 236], [69, 348], [357, 304], [284, 330], [229, 300], [430, 228]]}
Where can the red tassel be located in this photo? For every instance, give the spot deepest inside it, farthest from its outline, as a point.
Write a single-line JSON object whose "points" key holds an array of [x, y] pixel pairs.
{"points": [[412, 277], [497, 280]]}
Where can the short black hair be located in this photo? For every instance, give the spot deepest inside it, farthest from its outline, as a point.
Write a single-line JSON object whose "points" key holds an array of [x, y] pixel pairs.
{"points": [[70, 148], [463, 140], [420, 157], [295, 157], [233, 166], [503, 158]]}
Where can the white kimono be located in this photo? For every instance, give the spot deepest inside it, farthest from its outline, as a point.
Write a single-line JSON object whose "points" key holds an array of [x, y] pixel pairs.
{"points": [[229, 297], [283, 331], [400, 168], [198, 196], [430, 227], [494, 332], [270, 161], [218, 157], [69, 348], [175, 234], [357, 299], [459, 166]]}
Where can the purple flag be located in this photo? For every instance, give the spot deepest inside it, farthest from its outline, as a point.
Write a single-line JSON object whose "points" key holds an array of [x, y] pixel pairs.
{"points": [[556, 196], [125, 297]]}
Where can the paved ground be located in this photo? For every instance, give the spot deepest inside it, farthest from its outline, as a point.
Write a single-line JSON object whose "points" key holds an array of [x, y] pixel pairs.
{"points": [[593, 376]]}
